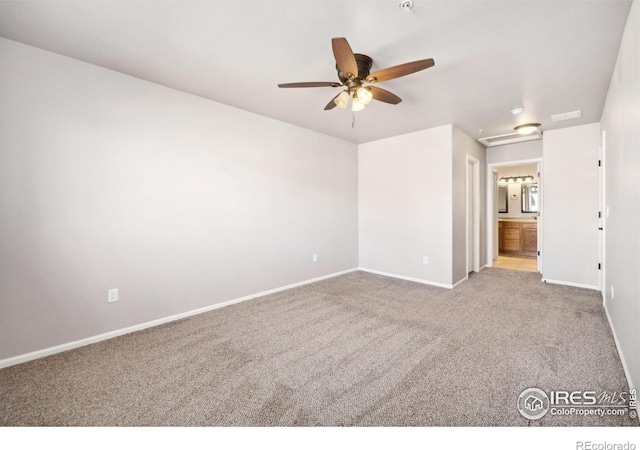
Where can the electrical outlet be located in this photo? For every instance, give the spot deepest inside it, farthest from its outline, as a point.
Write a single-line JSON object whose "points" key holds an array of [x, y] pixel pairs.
{"points": [[112, 295], [612, 292], [425, 260], [315, 258]]}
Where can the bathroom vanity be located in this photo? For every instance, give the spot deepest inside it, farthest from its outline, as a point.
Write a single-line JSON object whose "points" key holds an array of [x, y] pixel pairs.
{"points": [[518, 237]]}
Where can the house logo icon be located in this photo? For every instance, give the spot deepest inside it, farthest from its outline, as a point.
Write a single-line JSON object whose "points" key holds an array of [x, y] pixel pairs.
{"points": [[533, 403]]}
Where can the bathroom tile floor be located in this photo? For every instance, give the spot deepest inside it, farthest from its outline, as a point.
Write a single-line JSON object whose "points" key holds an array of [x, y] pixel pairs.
{"points": [[517, 263]]}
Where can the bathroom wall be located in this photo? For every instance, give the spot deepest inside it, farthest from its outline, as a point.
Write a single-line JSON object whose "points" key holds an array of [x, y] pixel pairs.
{"points": [[515, 189]]}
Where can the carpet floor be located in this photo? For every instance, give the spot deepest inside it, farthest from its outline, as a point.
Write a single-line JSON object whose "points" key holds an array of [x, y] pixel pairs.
{"points": [[355, 350]]}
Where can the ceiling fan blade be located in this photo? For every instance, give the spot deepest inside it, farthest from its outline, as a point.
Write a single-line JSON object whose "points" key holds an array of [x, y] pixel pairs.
{"points": [[332, 103], [344, 56], [384, 96], [400, 71], [309, 84]]}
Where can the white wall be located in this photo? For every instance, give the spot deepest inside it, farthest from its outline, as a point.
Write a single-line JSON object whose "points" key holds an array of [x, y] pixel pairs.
{"points": [[515, 205], [621, 123], [464, 145], [108, 181], [570, 211], [522, 151], [405, 205], [412, 203], [520, 169]]}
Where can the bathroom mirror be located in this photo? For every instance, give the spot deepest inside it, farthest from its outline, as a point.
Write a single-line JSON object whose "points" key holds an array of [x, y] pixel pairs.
{"points": [[530, 198], [503, 199]]}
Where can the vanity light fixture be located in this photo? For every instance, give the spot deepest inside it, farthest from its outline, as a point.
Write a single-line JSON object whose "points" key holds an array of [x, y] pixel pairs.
{"points": [[516, 179]]}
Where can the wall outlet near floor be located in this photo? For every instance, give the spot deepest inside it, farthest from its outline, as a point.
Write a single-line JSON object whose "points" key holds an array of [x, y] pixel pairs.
{"points": [[112, 295], [612, 292], [315, 258], [425, 260]]}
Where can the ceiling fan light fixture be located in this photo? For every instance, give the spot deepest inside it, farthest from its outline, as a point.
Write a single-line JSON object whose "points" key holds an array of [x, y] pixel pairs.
{"points": [[527, 128], [342, 100], [353, 71], [364, 95], [356, 105]]}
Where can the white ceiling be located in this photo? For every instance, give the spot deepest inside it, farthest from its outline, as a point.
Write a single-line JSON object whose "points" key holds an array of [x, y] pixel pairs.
{"points": [[490, 56]]}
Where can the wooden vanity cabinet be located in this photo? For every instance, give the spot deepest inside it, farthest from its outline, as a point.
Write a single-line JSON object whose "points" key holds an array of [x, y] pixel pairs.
{"points": [[529, 233], [518, 238]]}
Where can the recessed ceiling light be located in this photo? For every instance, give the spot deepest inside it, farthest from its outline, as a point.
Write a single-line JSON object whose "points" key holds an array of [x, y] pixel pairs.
{"points": [[517, 110], [527, 128]]}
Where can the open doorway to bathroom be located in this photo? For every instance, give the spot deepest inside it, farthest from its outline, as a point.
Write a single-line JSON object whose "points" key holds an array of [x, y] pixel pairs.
{"points": [[515, 217]]}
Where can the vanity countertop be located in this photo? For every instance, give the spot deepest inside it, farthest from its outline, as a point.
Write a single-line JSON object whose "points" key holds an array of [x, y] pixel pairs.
{"points": [[518, 219]]}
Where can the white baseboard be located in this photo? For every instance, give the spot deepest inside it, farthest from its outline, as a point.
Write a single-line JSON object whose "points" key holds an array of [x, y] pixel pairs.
{"points": [[401, 277], [617, 342], [460, 282], [111, 334], [568, 283], [625, 367]]}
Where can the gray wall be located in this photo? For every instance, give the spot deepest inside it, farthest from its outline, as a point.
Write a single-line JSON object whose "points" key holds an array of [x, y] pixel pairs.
{"points": [[108, 181], [621, 124], [405, 205], [464, 145], [570, 205]]}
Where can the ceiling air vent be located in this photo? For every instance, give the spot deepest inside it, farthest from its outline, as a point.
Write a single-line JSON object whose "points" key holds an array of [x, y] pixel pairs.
{"points": [[510, 138], [566, 116]]}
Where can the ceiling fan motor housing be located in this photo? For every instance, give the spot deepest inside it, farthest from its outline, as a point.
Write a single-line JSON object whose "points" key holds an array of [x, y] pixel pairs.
{"points": [[364, 67]]}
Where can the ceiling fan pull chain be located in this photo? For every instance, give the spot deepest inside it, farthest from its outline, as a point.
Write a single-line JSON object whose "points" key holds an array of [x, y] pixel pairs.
{"points": [[353, 119]]}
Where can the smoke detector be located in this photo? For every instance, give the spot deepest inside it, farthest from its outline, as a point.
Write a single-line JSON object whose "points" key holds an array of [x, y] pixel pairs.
{"points": [[406, 5], [517, 110]]}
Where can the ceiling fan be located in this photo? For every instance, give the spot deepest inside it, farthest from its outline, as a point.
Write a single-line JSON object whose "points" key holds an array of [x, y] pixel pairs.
{"points": [[353, 72]]}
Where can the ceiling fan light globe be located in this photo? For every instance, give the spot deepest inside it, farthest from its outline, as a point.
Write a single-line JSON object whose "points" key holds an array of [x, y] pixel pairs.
{"points": [[364, 95], [342, 100], [356, 105]]}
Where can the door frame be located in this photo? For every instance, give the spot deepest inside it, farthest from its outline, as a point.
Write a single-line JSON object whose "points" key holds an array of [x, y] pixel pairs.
{"points": [[492, 215], [602, 247], [474, 202]]}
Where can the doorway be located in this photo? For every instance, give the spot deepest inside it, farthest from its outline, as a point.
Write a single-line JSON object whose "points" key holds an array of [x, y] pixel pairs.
{"points": [[514, 215]]}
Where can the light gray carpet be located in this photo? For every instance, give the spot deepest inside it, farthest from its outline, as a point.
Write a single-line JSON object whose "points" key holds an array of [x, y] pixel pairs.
{"points": [[359, 349]]}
